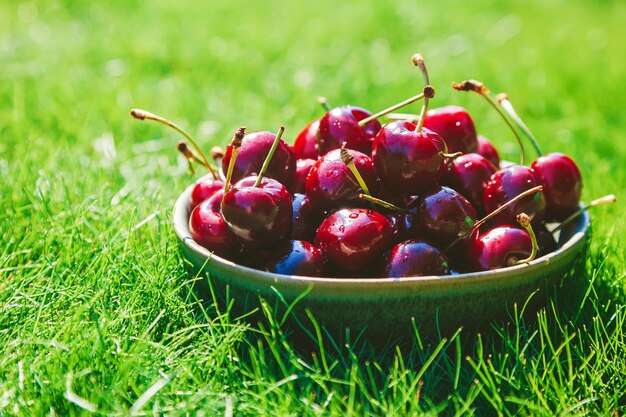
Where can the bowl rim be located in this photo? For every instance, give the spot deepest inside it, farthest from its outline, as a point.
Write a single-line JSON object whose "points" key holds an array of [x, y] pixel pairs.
{"points": [[181, 228]]}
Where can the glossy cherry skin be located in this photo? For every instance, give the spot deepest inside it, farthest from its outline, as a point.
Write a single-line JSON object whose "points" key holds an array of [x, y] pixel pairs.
{"points": [[208, 228], [341, 125], [258, 216], [305, 145], [305, 219], [413, 258], [354, 238], [562, 184], [498, 248], [406, 161], [468, 174], [444, 215], [508, 183], [303, 167], [455, 126], [203, 190], [254, 148], [297, 257], [488, 150], [372, 128], [330, 183]]}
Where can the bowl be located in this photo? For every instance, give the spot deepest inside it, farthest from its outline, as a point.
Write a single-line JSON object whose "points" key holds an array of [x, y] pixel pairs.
{"points": [[380, 308]]}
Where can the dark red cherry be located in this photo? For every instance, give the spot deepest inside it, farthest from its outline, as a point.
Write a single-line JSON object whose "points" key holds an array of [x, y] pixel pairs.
{"points": [[444, 215], [468, 174], [414, 258], [254, 148], [215, 201], [545, 240], [562, 184], [487, 150], [330, 184], [500, 247], [406, 161], [305, 145], [297, 257], [455, 126], [353, 238], [507, 183], [258, 216], [341, 125], [208, 229], [404, 225], [305, 219], [204, 189], [303, 167], [371, 129]]}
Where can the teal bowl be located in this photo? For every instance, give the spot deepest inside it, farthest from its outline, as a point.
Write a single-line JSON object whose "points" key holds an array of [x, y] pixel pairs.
{"points": [[384, 307]]}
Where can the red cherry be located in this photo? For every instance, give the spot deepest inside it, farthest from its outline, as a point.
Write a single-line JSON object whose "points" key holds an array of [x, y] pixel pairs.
{"points": [[468, 174], [305, 145], [562, 184], [354, 238], [413, 258], [455, 126], [331, 184], [305, 219], [444, 215], [507, 183], [406, 160], [254, 148], [303, 167], [341, 125], [297, 257], [208, 229], [259, 216], [203, 190], [498, 248], [488, 150], [371, 128]]}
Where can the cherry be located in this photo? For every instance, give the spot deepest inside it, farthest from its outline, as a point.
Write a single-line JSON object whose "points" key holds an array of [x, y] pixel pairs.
{"points": [[204, 189], [487, 150], [508, 183], [208, 229], [259, 214], [468, 174], [354, 238], [303, 167], [455, 125], [305, 219], [341, 125], [305, 145], [444, 215], [297, 257], [407, 158], [545, 240], [254, 147], [330, 182], [415, 258], [562, 183]]}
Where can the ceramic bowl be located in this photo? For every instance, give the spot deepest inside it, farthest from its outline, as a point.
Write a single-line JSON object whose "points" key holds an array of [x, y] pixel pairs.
{"points": [[384, 307]]}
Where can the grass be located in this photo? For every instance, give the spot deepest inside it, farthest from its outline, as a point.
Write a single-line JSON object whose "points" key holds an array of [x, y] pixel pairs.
{"points": [[95, 312]]}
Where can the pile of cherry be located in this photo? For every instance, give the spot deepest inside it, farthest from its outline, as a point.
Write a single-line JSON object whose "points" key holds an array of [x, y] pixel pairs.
{"points": [[421, 195]]}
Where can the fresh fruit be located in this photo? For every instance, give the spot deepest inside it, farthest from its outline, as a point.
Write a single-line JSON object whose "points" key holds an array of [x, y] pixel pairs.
{"points": [[414, 258], [455, 125], [297, 257], [468, 174], [562, 183]]}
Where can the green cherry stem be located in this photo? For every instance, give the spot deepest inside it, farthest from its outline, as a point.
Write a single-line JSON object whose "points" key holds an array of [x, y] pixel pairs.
{"points": [[235, 144], [524, 221], [391, 109], [506, 104], [403, 116], [597, 202], [348, 159], [269, 156], [429, 91], [324, 103], [188, 154], [479, 88], [381, 203], [146, 115]]}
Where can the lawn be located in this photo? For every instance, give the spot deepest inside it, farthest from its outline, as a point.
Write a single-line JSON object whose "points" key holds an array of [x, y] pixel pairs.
{"points": [[95, 312]]}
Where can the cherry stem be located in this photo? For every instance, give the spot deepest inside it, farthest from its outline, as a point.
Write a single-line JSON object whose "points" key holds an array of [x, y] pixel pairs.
{"points": [[429, 92], [450, 155], [403, 116], [145, 115], [479, 88], [524, 221], [269, 156], [217, 153], [506, 104], [497, 211], [393, 108], [381, 203], [324, 103], [188, 154], [597, 202], [235, 144], [418, 61], [348, 159]]}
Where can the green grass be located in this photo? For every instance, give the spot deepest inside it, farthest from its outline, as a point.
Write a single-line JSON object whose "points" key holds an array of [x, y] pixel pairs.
{"points": [[95, 314]]}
